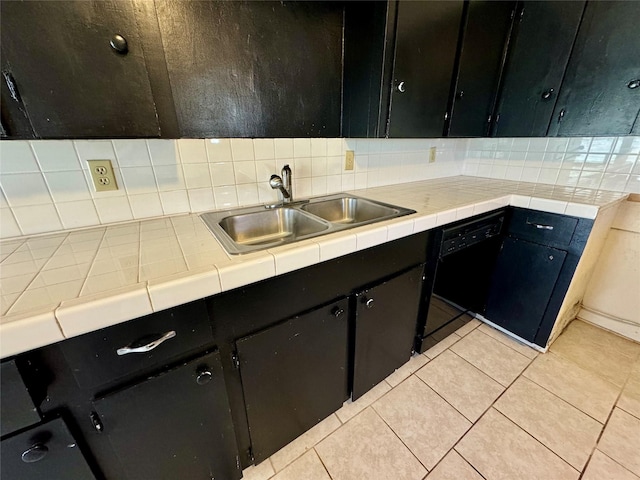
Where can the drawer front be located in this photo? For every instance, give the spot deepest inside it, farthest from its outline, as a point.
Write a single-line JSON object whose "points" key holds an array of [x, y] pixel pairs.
{"points": [[16, 408], [542, 227], [46, 451], [133, 347]]}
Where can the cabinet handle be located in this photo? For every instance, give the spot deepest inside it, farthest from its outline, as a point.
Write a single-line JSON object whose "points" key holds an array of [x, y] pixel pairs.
{"points": [[561, 115], [119, 44], [539, 226], [135, 347], [369, 303], [96, 422], [547, 94], [337, 312], [204, 376], [35, 453], [634, 83], [400, 87]]}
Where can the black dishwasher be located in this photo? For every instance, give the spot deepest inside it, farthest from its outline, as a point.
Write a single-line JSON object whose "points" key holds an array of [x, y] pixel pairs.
{"points": [[462, 260]]}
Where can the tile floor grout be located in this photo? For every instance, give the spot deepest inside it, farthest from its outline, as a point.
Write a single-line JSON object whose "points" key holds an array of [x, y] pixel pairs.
{"points": [[472, 424]]}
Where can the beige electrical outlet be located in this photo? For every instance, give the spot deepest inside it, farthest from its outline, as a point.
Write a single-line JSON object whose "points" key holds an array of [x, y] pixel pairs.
{"points": [[348, 160], [102, 174], [432, 155]]}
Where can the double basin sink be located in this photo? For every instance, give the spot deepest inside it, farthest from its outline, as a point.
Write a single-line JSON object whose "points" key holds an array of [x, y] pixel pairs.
{"points": [[245, 230]]}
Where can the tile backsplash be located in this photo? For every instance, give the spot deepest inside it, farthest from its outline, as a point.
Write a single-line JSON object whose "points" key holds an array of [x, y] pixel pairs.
{"points": [[45, 185]]}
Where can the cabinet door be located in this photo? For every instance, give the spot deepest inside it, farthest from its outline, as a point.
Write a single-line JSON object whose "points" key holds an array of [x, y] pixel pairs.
{"points": [[294, 375], [175, 425], [72, 82], [601, 91], [45, 451], [16, 408], [539, 50], [386, 323], [254, 69], [481, 62], [426, 44], [523, 281]]}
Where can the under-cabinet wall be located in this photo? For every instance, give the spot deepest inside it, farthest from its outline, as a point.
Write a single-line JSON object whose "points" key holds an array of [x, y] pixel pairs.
{"points": [[45, 185]]}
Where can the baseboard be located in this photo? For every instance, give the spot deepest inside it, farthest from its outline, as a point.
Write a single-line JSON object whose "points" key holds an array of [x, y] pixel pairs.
{"points": [[621, 327]]}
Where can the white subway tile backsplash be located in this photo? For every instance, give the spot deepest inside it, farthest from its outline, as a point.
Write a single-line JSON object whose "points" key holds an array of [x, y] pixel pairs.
{"points": [[627, 145], [201, 199], [301, 147], [22, 189], [283, 147], [131, 153], [218, 149], [302, 167], [140, 179], [8, 225], [242, 149], [225, 197], [169, 177], [318, 166], [247, 194], [56, 155], [245, 172], [263, 148], [16, 157], [334, 165], [196, 175], [113, 209], [95, 150], [192, 150], [318, 147], [222, 173], [163, 152], [67, 186], [146, 205], [37, 218], [175, 201], [77, 214]]}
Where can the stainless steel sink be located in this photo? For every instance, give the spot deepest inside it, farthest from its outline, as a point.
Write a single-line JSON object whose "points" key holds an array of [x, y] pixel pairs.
{"points": [[249, 229], [350, 210]]}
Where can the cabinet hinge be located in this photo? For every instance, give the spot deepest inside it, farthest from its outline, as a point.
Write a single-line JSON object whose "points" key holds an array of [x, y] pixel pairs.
{"points": [[235, 359], [250, 454]]}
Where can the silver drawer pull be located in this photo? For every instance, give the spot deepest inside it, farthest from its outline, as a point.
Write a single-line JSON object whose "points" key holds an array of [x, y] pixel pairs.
{"points": [[540, 226], [135, 347]]}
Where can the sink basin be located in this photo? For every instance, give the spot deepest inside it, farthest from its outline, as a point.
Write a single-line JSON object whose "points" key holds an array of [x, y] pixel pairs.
{"points": [[263, 229], [350, 210], [249, 229]]}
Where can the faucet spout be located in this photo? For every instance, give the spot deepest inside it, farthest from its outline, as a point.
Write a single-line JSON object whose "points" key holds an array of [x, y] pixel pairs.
{"points": [[276, 182]]}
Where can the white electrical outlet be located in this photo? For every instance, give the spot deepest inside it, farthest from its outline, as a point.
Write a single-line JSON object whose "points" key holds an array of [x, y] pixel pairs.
{"points": [[349, 160], [102, 175]]}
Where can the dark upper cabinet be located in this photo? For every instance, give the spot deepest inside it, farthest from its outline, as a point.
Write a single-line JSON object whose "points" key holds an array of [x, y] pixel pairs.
{"points": [[480, 65], [539, 49], [601, 91], [67, 77], [425, 53], [254, 69]]}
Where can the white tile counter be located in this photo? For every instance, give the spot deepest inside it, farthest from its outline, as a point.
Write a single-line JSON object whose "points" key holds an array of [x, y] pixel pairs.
{"points": [[61, 285]]}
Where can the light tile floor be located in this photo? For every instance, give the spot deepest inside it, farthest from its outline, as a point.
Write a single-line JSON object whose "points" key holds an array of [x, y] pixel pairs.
{"points": [[480, 405]]}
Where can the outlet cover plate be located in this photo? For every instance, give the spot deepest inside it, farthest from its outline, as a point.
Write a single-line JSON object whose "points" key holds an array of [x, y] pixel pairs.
{"points": [[348, 160], [102, 175]]}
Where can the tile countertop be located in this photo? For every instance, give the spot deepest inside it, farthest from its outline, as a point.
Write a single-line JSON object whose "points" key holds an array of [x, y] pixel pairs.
{"points": [[61, 285]]}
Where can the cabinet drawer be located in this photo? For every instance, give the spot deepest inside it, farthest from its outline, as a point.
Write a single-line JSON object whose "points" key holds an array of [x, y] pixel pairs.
{"points": [[16, 408], [104, 356], [542, 227], [45, 451]]}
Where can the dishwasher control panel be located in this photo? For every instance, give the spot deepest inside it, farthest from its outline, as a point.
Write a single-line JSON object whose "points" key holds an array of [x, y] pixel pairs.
{"points": [[471, 233]]}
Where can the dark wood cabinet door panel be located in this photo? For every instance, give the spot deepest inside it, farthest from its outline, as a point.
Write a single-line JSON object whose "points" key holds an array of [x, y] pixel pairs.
{"points": [[72, 82], [481, 59], [254, 69], [523, 281], [596, 98], [294, 375], [426, 43], [386, 324], [175, 425], [46, 451], [16, 408], [539, 50]]}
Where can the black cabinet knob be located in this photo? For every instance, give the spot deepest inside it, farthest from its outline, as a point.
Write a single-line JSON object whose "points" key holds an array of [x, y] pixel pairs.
{"points": [[204, 376], [337, 312], [634, 83], [35, 453], [119, 44], [546, 95]]}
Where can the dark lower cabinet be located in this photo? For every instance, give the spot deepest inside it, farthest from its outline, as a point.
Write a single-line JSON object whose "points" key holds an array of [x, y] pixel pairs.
{"points": [[173, 425], [601, 90], [294, 374], [385, 328], [523, 280], [46, 451], [16, 408]]}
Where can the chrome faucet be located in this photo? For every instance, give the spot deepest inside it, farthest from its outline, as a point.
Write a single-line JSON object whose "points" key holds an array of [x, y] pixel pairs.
{"points": [[283, 183]]}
